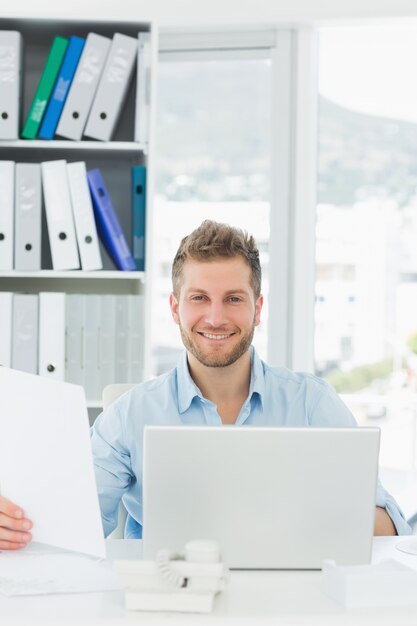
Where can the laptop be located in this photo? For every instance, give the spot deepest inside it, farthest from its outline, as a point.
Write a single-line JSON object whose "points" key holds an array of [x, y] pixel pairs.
{"points": [[273, 498]]}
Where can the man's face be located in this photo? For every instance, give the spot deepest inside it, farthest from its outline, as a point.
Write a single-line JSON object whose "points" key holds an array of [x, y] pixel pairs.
{"points": [[216, 310]]}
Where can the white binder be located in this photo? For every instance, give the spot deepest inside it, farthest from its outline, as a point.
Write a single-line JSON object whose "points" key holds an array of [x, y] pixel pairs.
{"points": [[6, 214], [10, 83], [143, 89], [85, 225], [112, 88], [28, 217], [135, 344], [62, 237], [74, 338], [91, 347], [52, 335], [107, 343], [25, 333], [121, 340], [83, 87], [6, 326]]}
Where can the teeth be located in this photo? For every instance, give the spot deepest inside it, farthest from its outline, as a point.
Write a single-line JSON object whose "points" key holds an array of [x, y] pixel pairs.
{"points": [[216, 336]]}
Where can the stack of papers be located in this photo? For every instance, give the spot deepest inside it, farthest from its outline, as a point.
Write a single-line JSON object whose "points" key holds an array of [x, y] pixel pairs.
{"points": [[31, 572], [46, 467], [388, 583]]}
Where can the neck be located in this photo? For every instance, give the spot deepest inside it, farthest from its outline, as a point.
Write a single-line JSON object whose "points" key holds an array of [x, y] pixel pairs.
{"points": [[227, 387]]}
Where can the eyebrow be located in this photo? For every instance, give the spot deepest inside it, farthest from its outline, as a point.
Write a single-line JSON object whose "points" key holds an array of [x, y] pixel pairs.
{"points": [[228, 292]]}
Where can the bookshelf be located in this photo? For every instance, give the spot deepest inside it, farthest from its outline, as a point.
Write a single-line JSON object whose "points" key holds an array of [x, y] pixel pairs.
{"points": [[114, 158]]}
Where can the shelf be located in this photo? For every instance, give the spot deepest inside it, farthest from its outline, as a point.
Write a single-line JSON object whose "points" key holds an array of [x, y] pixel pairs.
{"points": [[57, 144], [76, 275], [94, 404], [76, 281]]}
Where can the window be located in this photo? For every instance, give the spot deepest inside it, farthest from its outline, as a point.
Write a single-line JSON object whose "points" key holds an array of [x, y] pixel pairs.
{"points": [[212, 147], [366, 252]]}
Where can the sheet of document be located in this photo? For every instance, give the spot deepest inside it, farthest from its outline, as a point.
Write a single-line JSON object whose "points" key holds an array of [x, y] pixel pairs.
{"points": [[39, 571], [46, 463]]}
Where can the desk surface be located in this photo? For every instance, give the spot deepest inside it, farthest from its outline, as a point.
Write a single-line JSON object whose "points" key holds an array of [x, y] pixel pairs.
{"points": [[281, 597]]}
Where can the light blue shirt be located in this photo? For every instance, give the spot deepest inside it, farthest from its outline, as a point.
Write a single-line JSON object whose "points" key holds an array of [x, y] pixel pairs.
{"points": [[277, 397]]}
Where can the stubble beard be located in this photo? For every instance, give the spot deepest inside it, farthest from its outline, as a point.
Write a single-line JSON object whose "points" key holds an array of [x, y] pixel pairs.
{"points": [[218, 360]]}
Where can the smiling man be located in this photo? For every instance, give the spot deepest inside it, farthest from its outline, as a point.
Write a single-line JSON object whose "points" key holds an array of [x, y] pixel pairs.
{"points": [[217, 304], [217, 319]]}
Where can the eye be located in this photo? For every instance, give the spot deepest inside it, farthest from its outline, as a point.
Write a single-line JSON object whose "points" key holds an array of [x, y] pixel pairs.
{"points": [[235, 299], [197, 298]]}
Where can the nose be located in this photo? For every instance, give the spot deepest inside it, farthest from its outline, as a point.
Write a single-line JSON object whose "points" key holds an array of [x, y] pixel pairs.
{"points": [[215, 314]]}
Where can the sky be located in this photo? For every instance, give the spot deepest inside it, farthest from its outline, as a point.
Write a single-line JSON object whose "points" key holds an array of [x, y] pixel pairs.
{"points": [[371, 69]]}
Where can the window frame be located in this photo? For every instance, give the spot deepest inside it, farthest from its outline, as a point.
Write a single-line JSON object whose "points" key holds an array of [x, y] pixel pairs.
{"points": [[293, 171]]}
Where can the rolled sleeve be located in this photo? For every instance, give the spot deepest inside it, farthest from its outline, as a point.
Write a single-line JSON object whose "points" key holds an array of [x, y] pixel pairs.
{"points": [[387, 502], [331, 411]]}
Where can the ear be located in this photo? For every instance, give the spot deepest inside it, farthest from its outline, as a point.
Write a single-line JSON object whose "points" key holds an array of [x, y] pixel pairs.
{"points": [[258, 308], [173, 303]]}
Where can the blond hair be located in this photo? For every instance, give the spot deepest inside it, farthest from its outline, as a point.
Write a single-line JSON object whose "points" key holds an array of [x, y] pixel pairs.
{"points": [[212, 240]]}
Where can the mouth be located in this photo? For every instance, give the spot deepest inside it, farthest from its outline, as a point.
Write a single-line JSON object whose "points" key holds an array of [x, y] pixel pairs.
{"points": [[216, 337]]}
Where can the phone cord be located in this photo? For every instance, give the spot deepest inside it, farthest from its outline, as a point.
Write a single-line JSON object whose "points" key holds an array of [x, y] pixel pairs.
{"points": [[163, 562]]}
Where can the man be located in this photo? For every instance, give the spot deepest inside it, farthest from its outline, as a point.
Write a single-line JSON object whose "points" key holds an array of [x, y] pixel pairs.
{"points": [[217, 304]]}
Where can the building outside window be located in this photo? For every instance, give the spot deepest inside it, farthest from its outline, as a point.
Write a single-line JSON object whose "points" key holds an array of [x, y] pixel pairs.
{"points": [[366, 246]]}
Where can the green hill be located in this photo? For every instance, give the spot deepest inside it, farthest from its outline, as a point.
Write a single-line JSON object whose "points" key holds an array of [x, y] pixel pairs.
{"points": [[203, 153]]}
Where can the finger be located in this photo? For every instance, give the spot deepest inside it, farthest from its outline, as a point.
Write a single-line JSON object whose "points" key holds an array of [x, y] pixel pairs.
{"points": [[10, 509], [14, 536], [9, 545], [14, 524]]}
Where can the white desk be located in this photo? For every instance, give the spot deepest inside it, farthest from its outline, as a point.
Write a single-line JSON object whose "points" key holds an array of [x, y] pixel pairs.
{"points": [[289, 598]]}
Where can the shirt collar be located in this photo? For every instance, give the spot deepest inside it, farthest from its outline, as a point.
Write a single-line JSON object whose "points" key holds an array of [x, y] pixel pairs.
{"points": [[257, 377], [188, 390]]}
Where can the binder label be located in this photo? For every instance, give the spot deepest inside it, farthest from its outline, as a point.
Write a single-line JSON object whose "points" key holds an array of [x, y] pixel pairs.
{"points": [[61, 89], [121, 64], [38, 109], [139, 247], [123, 247], [8, 63], [91, 66], [27, 196]]}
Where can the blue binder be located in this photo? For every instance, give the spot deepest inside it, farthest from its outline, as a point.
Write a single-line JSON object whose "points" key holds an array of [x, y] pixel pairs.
{"points": [[61, 89], [108, 224], [139, 215]]}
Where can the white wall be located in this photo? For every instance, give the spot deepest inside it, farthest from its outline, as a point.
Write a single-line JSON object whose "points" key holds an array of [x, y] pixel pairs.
{"points": [[173, 13]]}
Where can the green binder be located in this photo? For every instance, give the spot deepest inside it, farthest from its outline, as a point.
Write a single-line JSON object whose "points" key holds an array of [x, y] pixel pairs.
{"points": [[45, 87]]}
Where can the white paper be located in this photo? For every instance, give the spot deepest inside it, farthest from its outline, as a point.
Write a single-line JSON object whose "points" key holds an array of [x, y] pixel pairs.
{"points": [[33, 573], [388, 583], [46, 464]]}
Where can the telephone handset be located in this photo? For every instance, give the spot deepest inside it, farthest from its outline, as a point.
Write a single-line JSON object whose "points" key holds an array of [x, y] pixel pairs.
{"points": [[186, 581]]}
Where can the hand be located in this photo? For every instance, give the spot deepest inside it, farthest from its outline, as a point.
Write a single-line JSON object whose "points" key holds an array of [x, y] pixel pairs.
{"points": [[13, 526]]}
